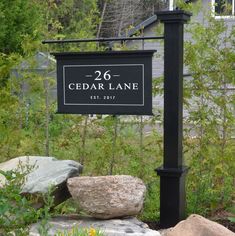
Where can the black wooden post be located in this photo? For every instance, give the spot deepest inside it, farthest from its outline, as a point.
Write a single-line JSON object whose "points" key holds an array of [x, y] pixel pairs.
{"points": [[172, 173]]}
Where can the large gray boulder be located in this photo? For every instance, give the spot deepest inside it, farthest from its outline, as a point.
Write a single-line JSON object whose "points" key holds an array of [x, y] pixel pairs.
{"points": [[106, 197], [114, 227], [43, 173], [196, 225]]}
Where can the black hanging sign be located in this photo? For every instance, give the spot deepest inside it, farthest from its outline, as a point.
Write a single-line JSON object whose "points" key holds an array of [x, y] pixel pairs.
{"points": [[114, 82]]}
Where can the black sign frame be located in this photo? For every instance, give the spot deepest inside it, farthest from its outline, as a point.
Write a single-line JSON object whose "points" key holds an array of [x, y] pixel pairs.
{"points": [[133, 71]]}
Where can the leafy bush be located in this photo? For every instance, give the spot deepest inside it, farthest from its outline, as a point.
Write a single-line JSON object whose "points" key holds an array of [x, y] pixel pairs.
{"points": [[16, 210], [209, 143]]}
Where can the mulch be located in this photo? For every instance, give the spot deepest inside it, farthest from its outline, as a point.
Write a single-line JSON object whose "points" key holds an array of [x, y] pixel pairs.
{"points": [[153, 225], [226, 223]]}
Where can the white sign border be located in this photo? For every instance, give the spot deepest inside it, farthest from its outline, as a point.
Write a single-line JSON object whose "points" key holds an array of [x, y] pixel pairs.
{"points": [[107, 104]]}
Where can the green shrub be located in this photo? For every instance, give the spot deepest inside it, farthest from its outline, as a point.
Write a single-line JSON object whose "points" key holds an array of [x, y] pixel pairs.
{"points": [[16, 210]]}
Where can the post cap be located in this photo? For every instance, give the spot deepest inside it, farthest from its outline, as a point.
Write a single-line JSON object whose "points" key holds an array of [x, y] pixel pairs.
{"points": [[173, 16]]}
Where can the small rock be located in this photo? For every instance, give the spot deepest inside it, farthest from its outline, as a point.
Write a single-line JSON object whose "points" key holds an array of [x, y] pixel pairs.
{"points": [[44, 172], [106, 197], [114, 227], [196, 225]]}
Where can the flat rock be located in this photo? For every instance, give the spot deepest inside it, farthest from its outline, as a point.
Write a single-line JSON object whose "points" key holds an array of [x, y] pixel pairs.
{"points": [[44, 172], [196, 225], [106, 197], [114, 227]]}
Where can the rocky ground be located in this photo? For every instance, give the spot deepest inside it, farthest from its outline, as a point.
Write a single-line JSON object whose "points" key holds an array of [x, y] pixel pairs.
{"points": [[113, 227], [112, 202], [194, 225]]}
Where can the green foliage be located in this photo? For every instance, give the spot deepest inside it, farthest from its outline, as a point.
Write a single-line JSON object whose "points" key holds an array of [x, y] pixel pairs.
{"points": [[70, 19], [231, 210], [151, 204], [16, 210], [231, 219], [210, 58], [25, 114], [20, 21], [193, 7], [81, 232], [45, 212]]}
